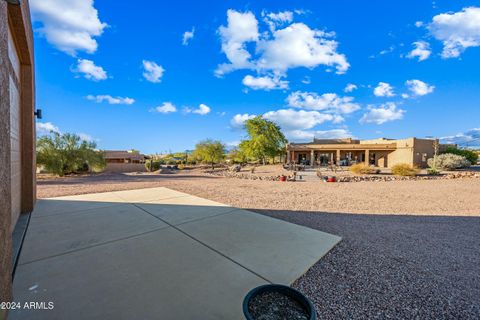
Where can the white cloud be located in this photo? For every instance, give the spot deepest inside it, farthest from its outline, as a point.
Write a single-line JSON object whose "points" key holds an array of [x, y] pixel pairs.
{"points": [[46, 127], [152, 71], [264, 83], [418, 87], [470, 138], [202, 110], [350, 87], [238, 120], [90, 70], [422, 51], [289, 119], [187, 36], [299, 46], [419, 24], [86, 137], [273, 20], [457, 31], [296, 45], [166, 107], [383, 89], [384, 113], [328, 102], [70, 26], [241, 28], [110, 99], [309, 135]]}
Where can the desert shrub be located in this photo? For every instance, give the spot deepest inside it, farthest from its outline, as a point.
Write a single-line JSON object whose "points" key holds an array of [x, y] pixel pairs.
{"points": [[433, 171], [404, 169], [181, 166], [152, 165], [63, 154], [362, 168], [449, 161], [470, 155]]}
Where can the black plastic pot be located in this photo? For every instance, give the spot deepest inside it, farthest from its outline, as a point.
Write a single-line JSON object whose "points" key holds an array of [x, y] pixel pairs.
{"points": [[290, 292]]}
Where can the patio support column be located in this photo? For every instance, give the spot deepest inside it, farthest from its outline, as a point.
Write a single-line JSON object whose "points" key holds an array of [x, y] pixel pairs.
{"points": [[288, 157], [331, 158], [367, 157], [338, 157], [312, 158]]}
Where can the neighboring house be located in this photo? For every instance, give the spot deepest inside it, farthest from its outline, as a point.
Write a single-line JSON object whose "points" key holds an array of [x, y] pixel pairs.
{"points": [[378, 152], [17, 136], [124, 161]]}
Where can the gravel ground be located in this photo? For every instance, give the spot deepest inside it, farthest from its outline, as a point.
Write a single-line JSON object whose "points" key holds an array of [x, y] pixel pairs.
{"points": [[410, 249]]}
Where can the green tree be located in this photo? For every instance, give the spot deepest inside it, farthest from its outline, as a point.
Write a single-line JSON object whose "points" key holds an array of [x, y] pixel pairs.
{"points": [[470, 155], [209, 151], [67, 153], [237, 156], [265, 139]]}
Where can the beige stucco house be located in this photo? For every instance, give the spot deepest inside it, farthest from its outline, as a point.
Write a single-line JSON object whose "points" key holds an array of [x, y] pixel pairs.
{"points": [[378, 152]]}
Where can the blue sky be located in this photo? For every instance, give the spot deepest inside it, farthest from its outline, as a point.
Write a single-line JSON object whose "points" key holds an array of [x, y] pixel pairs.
{"points": [[159, 76]]}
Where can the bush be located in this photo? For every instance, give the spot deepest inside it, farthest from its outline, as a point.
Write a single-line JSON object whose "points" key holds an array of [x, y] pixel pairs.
{"points": [[181, 166], [404, 169], [63, 154], [449, 161], [152, 165], [433, 172], [470, 155], [362, 168]]}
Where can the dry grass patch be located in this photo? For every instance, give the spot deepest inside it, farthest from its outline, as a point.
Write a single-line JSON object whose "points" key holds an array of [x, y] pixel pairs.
{"points": [[362, 168], [404, 169]]}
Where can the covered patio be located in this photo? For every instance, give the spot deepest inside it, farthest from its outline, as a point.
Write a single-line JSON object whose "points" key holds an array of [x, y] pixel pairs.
{"points": [[155, 254]]}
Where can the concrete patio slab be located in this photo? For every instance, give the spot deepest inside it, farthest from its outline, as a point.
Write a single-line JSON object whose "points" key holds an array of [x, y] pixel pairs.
{"points": [[58, 234], [161, 275], [155, 254], [278, 251], [184, 209], [149, 194]]}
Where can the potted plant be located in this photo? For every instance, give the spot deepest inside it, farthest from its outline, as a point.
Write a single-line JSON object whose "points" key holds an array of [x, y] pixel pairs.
{"points": [[275, 301]]}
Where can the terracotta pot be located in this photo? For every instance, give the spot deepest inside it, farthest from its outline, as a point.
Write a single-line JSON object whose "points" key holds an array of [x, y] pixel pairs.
{"points": [[332, 179], [283, 178]]}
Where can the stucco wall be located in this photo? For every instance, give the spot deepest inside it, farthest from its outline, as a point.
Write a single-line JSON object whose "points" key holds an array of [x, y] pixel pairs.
{"points": [[17, 131], [125, 167], [5, 185]]}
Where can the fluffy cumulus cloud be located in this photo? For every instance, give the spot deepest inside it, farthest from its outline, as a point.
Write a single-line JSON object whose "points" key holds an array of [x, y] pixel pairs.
{"points": [[289, 119], [70, 26], [46, 127], [241, 28], [110, 99], [89, 70], [276, 50], [187, 36], [350, 87], [275, 19], [166, 107], [238, 120], [418, 87], [328, 102], [383, 89], [421, 51], [384, 113], [264, 83], [457, 30], [470, 138], [202, 110], [152, 72]]}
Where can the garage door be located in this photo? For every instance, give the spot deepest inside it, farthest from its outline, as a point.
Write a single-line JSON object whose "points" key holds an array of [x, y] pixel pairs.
{"points": [[15, 138]]}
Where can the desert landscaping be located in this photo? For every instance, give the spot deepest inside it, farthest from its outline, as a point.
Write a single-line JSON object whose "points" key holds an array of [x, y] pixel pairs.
{"points": [[407, 249]]}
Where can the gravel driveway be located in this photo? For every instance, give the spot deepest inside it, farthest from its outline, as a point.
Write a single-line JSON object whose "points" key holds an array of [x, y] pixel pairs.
{"points": [[399, 267]]}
